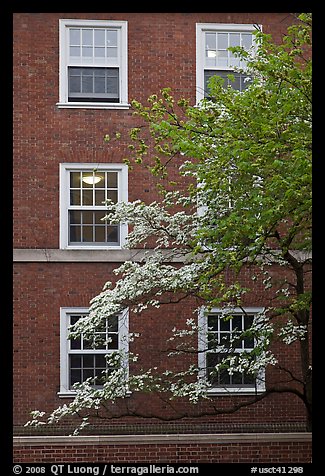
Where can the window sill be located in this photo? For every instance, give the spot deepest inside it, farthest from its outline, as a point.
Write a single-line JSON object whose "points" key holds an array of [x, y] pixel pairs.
{"points": [[72, 394], [212, 392], [92, 248], [92, 105]]}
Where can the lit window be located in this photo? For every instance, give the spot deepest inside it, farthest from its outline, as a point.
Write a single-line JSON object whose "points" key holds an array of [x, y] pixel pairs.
{"points": [[83, 192]]}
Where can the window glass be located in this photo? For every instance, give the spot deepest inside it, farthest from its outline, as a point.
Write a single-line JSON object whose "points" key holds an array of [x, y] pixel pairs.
{"points": [[226, 332], [87, 356], [88, 191], [93, 63]]}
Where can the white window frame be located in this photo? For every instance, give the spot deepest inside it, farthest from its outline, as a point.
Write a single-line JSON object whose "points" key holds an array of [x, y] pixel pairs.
{"points": [[201, 29], [121, 63], [202, 352], [65, 168], [65, 312]]}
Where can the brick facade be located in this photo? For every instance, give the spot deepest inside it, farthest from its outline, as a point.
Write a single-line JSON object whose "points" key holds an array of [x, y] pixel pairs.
{"points": [[258, 448], [161, 53]]}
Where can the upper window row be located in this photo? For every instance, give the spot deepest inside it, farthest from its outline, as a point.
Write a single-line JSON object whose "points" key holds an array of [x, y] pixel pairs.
{"points": [[93, 60]]}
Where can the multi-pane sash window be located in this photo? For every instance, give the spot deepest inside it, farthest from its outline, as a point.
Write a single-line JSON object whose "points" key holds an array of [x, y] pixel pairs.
{"points": [[222, 336], [83, 193], [93, 63], [87, 356], [84, 357], [214, 57]]}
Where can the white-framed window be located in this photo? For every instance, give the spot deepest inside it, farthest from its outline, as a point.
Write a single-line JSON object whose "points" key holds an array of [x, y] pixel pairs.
{"points": [[214, 58], [218, 332], [93, 64], [83, 358], [83, 191]]}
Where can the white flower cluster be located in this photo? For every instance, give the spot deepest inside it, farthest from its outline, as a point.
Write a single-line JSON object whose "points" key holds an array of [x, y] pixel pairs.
{"points": [[290, 332]]}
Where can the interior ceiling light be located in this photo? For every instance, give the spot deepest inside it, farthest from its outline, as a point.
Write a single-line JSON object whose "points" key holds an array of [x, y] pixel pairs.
{"points": [[91, 179]]}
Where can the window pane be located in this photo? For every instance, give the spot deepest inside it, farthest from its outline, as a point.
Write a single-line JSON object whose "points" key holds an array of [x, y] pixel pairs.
{"points": [[99, 52], [249, 379], [75, 377], [87, 217], [248, 321], [99, 197], [222, 56], [246, 39], [74, 36], [225, 324], [222, 41], [87, 233], [87, 83], [99, 342], [100, 234], [88, 361], [210, 44], [87, 51], [75, 217], [88, 373], [98, 217], [112, 86], [113, 344], [112, 234], [87, 37], [224, 377], [234, 39], [99, 37], [249, 343], [74, 51], [113, 324], [112, 195], [74, 84], [111, 38], [101, 182], [112, 52], [75, 344], [74, 319], [74, 179], [233, 62], [237, 323], [99, 85], [87, 197], [75, 197], [75, 234], [87, 183], [213, 340], [100, 361], [75, 361], [213, 323], [224, 338], [212, 360], [237, 378], [112, 179]]}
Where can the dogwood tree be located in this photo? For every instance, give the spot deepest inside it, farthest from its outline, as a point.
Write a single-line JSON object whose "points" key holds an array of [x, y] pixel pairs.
{"points": [[242, 200]]}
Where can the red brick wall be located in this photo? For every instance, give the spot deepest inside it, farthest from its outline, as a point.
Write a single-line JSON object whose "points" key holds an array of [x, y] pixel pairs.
{"points": [[161, 52], [42, 288], [268, 452]]}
